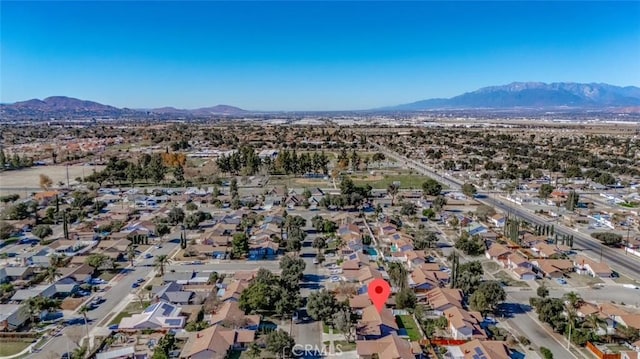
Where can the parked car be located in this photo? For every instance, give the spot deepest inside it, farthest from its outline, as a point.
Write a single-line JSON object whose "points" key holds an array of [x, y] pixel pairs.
{"points": [[135, 285]]}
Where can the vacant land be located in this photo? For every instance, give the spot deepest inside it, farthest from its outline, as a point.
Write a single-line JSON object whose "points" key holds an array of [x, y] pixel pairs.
{"points": [[28, 180], [382, 181]]}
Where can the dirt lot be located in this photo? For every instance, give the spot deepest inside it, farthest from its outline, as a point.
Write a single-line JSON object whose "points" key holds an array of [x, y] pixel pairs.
{"points": [[28, 180]]}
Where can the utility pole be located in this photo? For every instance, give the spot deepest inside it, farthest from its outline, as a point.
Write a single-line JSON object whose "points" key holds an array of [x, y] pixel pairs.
{"points": [[67, 166]]}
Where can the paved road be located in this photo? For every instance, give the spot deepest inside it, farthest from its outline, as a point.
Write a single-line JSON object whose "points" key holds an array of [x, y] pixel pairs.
{"points": [[617, 260], [113, 297], [309, 332]]}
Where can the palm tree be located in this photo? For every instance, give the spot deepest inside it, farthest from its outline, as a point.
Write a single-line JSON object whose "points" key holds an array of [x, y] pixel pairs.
{"points": [[131, 253], [573, 299], [84, 310], [161, 260], [392, 190], [52, 274], [594, 322], [56, 260], [397, 274]]}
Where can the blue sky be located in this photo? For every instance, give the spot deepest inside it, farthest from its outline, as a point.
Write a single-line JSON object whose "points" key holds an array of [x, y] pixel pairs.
{"points": [[307, 55]]}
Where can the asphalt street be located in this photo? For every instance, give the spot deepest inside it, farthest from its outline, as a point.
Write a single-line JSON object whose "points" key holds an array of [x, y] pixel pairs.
{"points": [[617, 260], [114, 296]]}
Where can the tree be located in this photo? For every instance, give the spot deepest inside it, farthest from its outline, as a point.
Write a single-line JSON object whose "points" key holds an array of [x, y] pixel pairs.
{"points": [[233, 188], [239, 245], [292, 270], [468, 276], [131, 253], [572, 200], [546, 353], [408, 209], [84, 310], [392, 191], [176, 215], [487, 297], [608, 238], [52, 273], [545, 190], [42, 231], [397, 274], [321, 306], [280, 343], [97, 260], [162, 230], [542, 291], [431, 187], [6, 230], [45, 182], [319, 243], [469, 190], [345, 320], [406, 299], [178, 173], [425, 240], [254, 351], [438, 203], [161, 260]]}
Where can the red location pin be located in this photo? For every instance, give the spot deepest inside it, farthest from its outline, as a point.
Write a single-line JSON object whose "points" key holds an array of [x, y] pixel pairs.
{"points": [[379, 291]]}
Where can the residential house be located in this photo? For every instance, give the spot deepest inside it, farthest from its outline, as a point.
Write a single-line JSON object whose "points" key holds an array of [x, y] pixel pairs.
{"points": [[160, 315], [498, 220], [230, 315], [515, 260], [584, 265], [173, 293], [477, 349], [264, 249], [441, 299], [524, 273], [178, 277], [13, 316], [464, 324], [359, 302], [216, 342], [388, 347], [553, 268], [15, 274], [545, 250], [374, 324], [232, 291], [422, 280], [498, 253]]}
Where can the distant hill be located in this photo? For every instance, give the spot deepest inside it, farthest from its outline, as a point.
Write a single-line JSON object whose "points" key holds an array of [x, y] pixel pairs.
{"points": [[61, 107], [534, 95], [205, 111]]}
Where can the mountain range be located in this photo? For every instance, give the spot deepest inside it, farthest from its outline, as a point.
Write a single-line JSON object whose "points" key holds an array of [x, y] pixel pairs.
{"points": [[68, 107], [517, 95], [534, 95]]}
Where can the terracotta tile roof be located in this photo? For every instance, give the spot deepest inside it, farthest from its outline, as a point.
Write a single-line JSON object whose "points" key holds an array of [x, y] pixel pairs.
{"points": [[490, 349], [215, 341], [389, 347], [372, 320], [442, 297]]}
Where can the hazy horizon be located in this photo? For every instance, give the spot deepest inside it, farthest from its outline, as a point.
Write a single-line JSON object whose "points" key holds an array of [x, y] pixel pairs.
{"points": [[303, 56]]}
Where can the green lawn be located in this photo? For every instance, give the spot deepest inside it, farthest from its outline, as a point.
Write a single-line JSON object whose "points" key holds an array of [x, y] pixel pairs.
{"points": [[342, 345], [407, 322], [10, 348], [325, 329], [107, 275], [118, 318]]}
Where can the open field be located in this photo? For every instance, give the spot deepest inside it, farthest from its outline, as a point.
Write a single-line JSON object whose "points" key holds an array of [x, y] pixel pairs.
{"points": [[27, 180], [10, 348], [382, 181]]}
